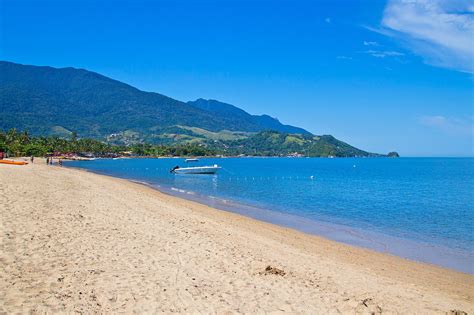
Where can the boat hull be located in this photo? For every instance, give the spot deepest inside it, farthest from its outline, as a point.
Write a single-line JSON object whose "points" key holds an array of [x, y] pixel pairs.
{"points": [[191, 160], [197, 170], [13, 162]]}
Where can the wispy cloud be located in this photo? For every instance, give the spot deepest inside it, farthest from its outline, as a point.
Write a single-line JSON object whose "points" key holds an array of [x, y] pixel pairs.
{"points": [[384, 53], [449, 124], [327, 20], [441, 31], [344, 57], [367, 43]]}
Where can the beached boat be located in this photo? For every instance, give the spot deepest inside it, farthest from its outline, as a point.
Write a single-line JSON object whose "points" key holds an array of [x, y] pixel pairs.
{"points": [[13, 162], [191, 160], [196, 170]]}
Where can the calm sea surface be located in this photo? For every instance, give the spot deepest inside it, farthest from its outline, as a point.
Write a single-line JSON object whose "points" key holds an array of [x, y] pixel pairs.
{"points": [[419, 208]]}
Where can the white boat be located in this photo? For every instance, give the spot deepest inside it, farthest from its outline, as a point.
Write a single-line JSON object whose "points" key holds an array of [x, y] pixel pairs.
{"points": [[196, 170], [191, 160]]}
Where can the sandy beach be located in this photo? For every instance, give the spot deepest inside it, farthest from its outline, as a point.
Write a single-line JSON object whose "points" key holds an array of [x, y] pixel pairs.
{"points": [[73, 241]]}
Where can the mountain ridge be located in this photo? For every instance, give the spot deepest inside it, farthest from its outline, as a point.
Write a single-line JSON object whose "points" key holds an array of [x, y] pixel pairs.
{"points": [[81, 93], [261, 122], [63, 101]]}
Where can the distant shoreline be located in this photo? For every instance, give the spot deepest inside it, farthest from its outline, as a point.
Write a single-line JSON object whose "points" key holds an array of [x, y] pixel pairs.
{"points": [[270, 156]]}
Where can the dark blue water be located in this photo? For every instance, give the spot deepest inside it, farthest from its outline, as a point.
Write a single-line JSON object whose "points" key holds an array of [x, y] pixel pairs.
{"points": [[415, 207]]}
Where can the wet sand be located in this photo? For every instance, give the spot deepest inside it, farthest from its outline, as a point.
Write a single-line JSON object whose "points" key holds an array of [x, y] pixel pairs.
{"points": [[76, 241]]}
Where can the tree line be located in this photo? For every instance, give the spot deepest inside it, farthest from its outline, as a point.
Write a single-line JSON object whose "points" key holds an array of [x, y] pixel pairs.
{"points": [[20, 143]]}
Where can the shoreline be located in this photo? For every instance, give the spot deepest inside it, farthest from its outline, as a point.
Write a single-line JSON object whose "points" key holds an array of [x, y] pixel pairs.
{"points": [[209, 259], [460, 260], [406, 248]]}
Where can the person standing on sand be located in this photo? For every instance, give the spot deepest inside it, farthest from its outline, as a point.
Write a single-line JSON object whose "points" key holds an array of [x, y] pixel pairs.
{"points": [[60, 161], [32, 159], [47, 161]]}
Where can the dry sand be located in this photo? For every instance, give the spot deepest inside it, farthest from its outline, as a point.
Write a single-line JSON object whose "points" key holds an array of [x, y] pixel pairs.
{"points": [[73, 241]]}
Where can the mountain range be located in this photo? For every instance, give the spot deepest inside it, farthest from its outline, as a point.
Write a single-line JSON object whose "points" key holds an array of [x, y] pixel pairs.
{"points": [[59, 101], [48, 100]]}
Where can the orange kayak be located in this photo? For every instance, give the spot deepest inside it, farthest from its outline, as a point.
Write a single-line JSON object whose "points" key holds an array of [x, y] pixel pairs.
{"points": [[13, 162]]}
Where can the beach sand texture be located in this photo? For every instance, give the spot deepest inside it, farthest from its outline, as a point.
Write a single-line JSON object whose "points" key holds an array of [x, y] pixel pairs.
{"points": [[73, 241]]}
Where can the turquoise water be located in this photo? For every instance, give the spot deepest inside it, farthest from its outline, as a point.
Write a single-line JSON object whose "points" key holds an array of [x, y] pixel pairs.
{"points": [[419, 208]]}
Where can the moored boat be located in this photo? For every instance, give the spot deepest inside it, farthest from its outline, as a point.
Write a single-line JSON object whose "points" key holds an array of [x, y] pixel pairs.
{"points": [[191, 160], [196, 170]]}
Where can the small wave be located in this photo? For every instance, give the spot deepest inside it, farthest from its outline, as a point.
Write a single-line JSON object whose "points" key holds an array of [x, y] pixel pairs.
{"points": [[139, 182], [179, 190]]}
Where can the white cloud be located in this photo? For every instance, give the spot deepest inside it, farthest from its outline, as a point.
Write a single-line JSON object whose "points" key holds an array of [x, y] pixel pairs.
{"points": [[367, 43], [448, 124], [384, 53], [441, 31]]}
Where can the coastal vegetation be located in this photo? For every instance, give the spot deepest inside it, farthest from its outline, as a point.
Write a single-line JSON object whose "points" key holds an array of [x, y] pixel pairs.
{"points": [[266, 143], [15, 143]]}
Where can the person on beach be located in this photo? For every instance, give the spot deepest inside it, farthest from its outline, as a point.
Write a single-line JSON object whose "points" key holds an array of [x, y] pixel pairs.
{"points": [[32, 159], [47, 161], [60, 161]]}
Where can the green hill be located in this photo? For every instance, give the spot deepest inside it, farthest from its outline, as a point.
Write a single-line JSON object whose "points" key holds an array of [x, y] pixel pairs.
{"points": [[272, 143], [48, 101]]}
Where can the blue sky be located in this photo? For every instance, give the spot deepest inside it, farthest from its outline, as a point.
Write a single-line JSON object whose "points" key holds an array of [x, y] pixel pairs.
{"points": [[380, 75]]}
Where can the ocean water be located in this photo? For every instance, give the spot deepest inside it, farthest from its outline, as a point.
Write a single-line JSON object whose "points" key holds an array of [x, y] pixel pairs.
{"points": [[418, 208]]}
